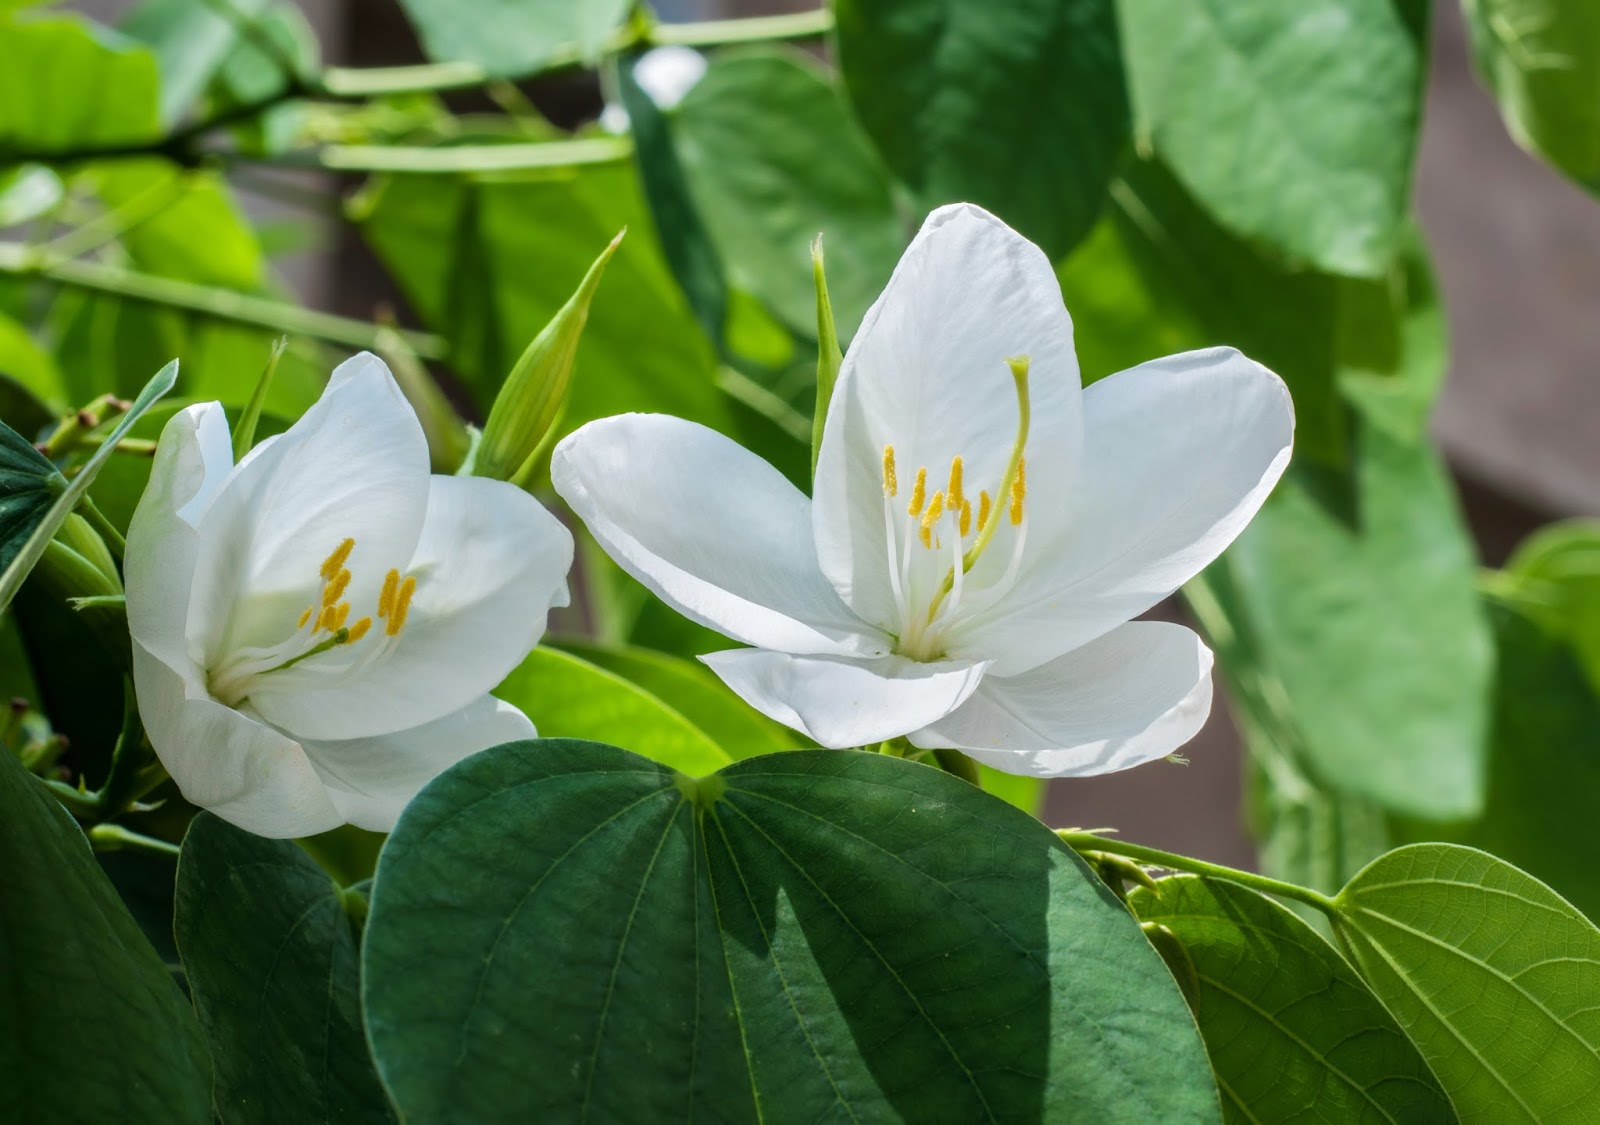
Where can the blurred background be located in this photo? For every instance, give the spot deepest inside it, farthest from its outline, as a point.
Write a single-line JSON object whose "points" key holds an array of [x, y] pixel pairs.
{"points": [[1517, 250]]}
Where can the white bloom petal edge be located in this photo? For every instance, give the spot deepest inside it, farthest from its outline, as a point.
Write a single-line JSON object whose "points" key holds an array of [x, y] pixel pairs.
{"points": [[842, 702], [712, 529], [1134, 695]]}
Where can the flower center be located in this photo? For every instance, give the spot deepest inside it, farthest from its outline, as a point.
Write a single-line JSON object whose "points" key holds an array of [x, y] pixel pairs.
{"points": [[948, 513], [320, 628]]}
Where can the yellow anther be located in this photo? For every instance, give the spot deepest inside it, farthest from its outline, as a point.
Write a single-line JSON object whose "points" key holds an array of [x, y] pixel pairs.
{"points": [[358, 630], [919, 492], [891, 486], [1019, 489], [341, 614], [984, 504], [931, 517], [325, 619], [335, 589], [402, 606], [306, 616], [954, 494], [966, 517], [334, 563], [391, 583]]}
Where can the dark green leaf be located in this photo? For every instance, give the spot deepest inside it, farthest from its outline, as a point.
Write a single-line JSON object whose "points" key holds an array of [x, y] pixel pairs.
{"points": [[272, 958], [510, 37], [22, 558], [1295, 124], [29, 483], [95, 1029], [66, 82], [1016, 105], [567, 697], [1293, 1033], [824, 935], [679, 225], [1541, 60], [775, 159], [1492, 974]]}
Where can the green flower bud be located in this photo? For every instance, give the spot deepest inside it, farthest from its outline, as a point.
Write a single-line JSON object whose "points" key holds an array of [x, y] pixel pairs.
{"points": [[829, 359], [531, 400]]}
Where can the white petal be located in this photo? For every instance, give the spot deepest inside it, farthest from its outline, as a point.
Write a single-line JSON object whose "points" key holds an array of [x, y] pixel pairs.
{"points": [[372, 779], [242, 770], [842, 702], [193, 459], [927, 374], [1133, 695], [715, 531], [490, 563], [354, 466], [1179, 455]]}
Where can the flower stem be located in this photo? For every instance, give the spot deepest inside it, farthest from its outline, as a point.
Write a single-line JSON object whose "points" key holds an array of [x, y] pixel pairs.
{"points": [[221, 304], [108, 530], [1091, 842], [115, 838]]}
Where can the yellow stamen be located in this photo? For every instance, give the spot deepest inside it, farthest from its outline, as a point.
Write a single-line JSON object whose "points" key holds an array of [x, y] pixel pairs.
{"points": [[402, 605], [919, 490], [335, 589], [359, 630], [306, 616], [966, 516], [983, 507], [325, 619], [334, 563], [931, 517], [341, 613], [391, 582], [1019, 489], [954, 494], [891, 486]]}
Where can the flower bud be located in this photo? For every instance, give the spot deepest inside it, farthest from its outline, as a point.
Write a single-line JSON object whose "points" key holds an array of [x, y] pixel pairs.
{"points": [[829, 360], [533, 395]]}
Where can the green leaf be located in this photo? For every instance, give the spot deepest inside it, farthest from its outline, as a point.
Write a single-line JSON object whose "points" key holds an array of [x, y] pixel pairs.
{"points": [[1491, 973], [1554, 578], [1016, 105], [1295, 124], [696, 694], [20, 559], [30, 365], [816, 935], [1293, 1033], [1373, 631], [679, 224], [514, 37], [272, 958], [194, 230], [190, 42], [1541, 60], [461, 251], [1544, 771], [66, 82], [567, 697], [774, 158], [96, 1030], [1027, 793]]}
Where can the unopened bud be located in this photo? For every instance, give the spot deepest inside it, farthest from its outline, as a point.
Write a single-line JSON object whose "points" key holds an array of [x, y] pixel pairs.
{"points": [[531, 400]]}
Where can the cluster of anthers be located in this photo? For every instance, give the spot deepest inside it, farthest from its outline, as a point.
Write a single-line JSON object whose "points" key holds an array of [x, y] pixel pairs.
{"points": [[321, 627], [949, 512]]}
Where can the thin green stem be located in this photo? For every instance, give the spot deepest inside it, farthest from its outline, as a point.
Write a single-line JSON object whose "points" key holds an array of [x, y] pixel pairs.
{"points": [[108, 530], [1090, 842], [205, 300], [115, 838]]}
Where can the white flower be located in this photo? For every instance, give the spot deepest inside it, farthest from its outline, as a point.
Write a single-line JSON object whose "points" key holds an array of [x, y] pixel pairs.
{"points": [[316, 630], [983, 530]]}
